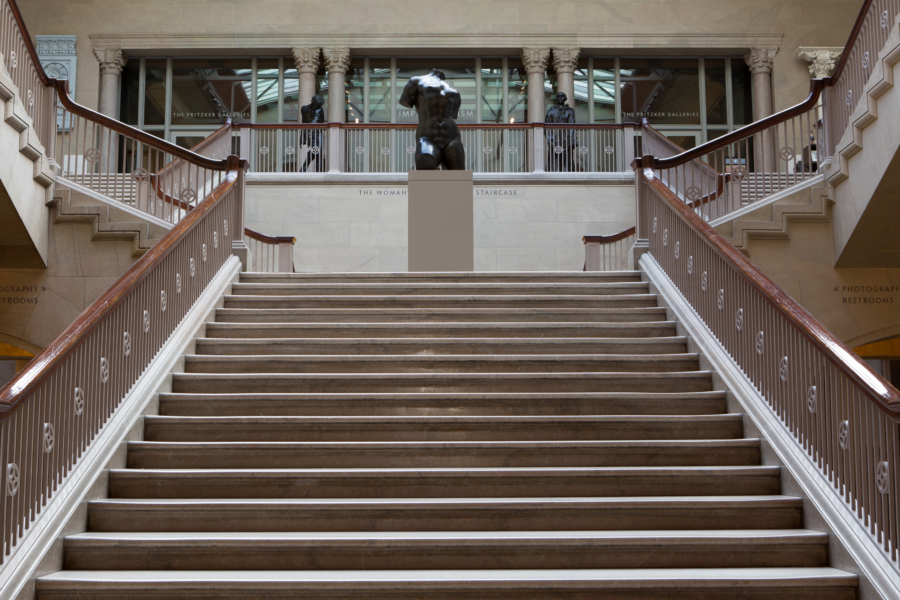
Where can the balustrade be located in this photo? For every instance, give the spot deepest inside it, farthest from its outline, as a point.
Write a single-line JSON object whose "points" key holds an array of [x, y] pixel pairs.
{"points": [[608, 252]]}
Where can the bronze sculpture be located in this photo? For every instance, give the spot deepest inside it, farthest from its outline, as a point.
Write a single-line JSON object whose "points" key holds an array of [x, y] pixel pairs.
{"points": [[560, 142], [312, 113], [437, 104]]}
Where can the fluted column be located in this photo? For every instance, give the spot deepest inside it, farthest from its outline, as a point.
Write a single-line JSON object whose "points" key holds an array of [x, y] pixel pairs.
{"points": [[535, 61], [565, 61], [112, 61], [337, 61], [307, 62], [760, 61]]}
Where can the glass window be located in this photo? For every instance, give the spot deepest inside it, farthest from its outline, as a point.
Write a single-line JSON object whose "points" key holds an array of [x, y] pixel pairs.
{"points": [[741, 92], [291, 91], [356, 91], [664, 90], [267, 90], [380, 90], [491, 90], [580, 102], [207, 91], [131, 80], [459, 73], [716, 92], [604, 91], [155, 93], [517, 91]]}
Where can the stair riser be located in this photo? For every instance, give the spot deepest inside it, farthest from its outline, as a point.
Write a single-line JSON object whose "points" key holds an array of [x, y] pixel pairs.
{"points": [[440, 364], [611, 301], [237, 457], [186, 431], [575, 590], [412, 517], [581, 330], [438, 278], [250, 384], [393, 291], [284, 485], [417, 405], [437, 347], [237, 315], [438, 555]]}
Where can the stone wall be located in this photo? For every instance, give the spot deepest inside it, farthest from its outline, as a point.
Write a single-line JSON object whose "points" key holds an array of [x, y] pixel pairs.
{"points": [[610, 27], [518, 227]]}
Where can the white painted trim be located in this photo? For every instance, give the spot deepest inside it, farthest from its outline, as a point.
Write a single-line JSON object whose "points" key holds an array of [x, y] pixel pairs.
{"points": [[21, 566], [624, 178], [809, 183], [874, 566], [77, 187]]}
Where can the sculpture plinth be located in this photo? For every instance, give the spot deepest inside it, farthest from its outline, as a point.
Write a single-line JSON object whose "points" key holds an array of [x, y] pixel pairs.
{"points": [[441, 221]]}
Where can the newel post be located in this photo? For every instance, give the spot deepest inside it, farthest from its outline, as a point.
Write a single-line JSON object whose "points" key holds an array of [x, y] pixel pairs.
{"points": [[641, 212], [236, 226], [286, 256]]}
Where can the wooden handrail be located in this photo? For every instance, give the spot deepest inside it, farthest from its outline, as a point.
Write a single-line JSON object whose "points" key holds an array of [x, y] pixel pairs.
{"points": [[608, 239], [283, 126], [44, 363], [32, 51], [887, 398], [270, 239], [851, 40], [816, 86]]}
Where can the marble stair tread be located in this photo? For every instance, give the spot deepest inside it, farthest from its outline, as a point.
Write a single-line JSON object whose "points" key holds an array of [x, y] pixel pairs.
{"points": [[445, 330], [442, 428], [437, 315], [448, 277], [444, 301], [446, 550], [245, 455], [436, 404], [448, 514], [691, 381], [439, 346], [805, 583], [443, 289], [442, 482], [442, 363]]}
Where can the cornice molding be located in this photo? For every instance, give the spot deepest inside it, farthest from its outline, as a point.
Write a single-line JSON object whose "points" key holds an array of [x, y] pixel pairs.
{"points": [[737, 42]]}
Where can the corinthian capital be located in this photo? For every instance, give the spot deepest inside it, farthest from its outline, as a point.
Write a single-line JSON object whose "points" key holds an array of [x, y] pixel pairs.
{"points": [[535, 59], [823, 60], [111, 60], [336, 59], [760, 60], [306, 59], [565, 60]]}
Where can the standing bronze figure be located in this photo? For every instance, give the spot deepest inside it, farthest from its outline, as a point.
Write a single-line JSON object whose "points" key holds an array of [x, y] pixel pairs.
{"points": [[560, 142], [437, 104], [312, 113]]}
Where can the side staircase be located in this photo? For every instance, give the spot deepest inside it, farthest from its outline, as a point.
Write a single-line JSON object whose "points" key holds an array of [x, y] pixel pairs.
{"points": [[528, 436]]}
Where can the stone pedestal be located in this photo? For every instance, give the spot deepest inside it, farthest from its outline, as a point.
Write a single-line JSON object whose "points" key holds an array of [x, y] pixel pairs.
{"points": [[441, 221]]}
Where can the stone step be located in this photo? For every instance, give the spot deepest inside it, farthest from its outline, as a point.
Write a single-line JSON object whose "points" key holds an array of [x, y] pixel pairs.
{"points": [[811, 583], [551, 301], [438, 315], [412, 429], [336, 383], [447, 550], [312, 455], [447, 514], [439, 277], [466, 363], [439, 346], [443, 483], [498, 404], [393, 290], [439, 330]]}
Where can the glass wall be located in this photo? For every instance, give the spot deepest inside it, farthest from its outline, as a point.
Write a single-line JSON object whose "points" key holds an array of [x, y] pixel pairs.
{"points": [[182, 98]]}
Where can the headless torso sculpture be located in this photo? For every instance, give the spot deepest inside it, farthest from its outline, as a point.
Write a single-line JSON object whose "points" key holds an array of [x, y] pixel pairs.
{"points": [[560, 142], [312, 113], [437, 104]]}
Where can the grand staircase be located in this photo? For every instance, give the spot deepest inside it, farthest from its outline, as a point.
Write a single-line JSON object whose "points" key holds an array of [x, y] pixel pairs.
{"points": [[529, 436]]}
